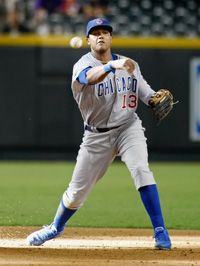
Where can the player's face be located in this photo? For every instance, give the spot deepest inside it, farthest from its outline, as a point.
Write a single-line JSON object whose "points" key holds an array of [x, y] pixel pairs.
{"points": [[100, 40]]}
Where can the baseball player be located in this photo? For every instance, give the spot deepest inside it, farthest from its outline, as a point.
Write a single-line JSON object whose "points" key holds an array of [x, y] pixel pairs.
{"points": [[107, 87]]}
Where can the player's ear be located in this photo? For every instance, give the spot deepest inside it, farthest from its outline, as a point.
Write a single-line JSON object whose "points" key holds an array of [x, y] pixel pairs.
{"points": [[88, 40]]}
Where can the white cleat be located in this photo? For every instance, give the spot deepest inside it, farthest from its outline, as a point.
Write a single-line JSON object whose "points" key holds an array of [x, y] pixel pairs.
{"points": [[37, 238]]}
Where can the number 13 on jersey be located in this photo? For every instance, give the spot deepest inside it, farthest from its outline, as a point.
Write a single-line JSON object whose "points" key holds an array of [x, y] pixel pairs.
{"points": [[129, 101]]}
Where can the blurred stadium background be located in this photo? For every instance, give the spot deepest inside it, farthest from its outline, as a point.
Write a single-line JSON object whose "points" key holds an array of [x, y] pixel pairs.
{"points": [[137, 17], [40, 121], [39, 117]]}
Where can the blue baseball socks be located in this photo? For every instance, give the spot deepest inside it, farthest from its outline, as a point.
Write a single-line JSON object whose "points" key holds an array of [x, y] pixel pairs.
{"points": [[63, 214], [150, 199]]}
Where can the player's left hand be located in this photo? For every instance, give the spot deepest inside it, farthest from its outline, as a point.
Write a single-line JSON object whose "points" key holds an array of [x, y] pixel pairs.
{"points": [[162, 103]]}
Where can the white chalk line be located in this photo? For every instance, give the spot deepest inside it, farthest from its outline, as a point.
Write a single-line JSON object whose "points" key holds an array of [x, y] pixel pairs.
{"points": [[133, 242]]}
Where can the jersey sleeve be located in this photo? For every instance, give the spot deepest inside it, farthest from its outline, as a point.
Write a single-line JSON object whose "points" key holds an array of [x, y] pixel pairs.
{"points": [[82, 76], [144, 90], [79, 70]]}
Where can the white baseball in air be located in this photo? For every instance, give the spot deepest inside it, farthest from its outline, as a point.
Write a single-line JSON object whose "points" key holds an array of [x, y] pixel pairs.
{"points": [[76, 42]]}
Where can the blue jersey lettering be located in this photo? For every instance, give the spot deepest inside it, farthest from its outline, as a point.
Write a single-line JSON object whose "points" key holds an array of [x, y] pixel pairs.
{"points": [[123, 84]]}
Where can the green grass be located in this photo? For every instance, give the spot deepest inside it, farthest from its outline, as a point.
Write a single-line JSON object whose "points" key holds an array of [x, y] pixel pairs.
{"points": [[30, 193]]}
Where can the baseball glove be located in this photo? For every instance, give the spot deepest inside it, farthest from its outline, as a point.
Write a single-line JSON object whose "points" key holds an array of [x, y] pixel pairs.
{"points": [[161, 104]]}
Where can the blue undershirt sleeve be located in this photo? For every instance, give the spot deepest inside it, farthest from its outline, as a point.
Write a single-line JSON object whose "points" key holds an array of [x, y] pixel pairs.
{"points": [[82, 76]]}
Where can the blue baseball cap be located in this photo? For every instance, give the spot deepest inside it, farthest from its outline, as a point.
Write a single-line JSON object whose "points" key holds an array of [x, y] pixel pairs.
{"points": [[97, 23]]}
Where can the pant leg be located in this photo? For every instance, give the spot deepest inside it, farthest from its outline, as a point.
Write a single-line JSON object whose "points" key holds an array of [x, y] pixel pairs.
{"points": [[94, 157], [133, 151]]}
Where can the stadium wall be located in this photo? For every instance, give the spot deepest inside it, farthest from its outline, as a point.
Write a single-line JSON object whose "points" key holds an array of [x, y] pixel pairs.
{"points": [[40, 119]]}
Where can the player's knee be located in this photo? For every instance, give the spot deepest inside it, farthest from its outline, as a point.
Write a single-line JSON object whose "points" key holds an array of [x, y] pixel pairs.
{"points": [[141, 170], [72, 200], [142, 176]]}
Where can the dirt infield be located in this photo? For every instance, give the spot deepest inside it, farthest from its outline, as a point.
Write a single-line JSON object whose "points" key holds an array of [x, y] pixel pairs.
{"points": [[112, 247]]}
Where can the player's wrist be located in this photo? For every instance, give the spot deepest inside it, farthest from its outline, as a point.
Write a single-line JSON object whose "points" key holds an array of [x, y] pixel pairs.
{"points": [[108, 68]]}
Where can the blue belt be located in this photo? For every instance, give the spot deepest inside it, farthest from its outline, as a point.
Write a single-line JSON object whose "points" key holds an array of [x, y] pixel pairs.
{"points": [[99, 130]]}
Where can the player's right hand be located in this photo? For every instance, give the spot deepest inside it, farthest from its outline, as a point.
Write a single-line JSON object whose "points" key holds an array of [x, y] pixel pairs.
{"points": [[125, 63]]}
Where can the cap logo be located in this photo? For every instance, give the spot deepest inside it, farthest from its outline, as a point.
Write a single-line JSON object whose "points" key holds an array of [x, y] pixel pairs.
{"points": [[99, 21]]}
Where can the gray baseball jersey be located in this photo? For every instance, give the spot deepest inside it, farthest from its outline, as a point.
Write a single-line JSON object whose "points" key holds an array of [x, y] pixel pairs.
{"points": [[113, 101], [111, 128], [109, 104]]}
